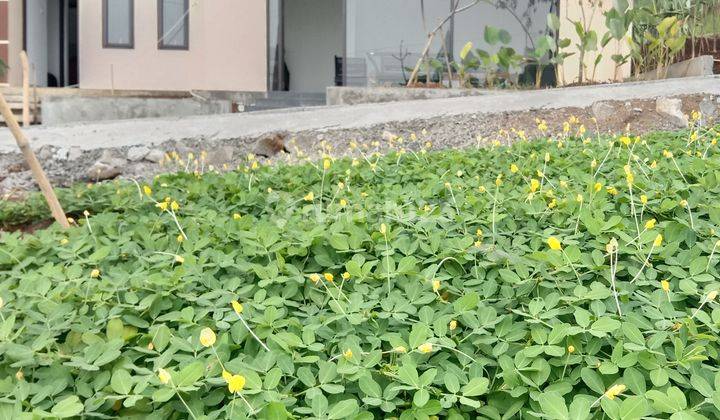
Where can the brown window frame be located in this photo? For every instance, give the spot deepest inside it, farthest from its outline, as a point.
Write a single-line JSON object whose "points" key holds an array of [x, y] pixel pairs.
{"points": [[106, 43], [186, 40]]}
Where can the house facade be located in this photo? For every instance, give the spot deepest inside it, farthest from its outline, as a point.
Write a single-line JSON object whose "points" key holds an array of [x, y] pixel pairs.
{"points": [[246, 45]]}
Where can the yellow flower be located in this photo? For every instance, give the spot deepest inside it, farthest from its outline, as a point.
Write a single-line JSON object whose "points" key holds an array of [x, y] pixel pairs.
{"points": [[658, 240], [19, 375], [498, 180], [453, 325], [207, 337], [712, 295], [346, 276], [95, 273], [612, 190], [643, 199], [315, 277], [383, 228], [478, 244], [180, 238], [179, 259], [162, 205], [614, 391], [425, 348], [147, 190], [547, 157], [64, 241], [400, 349], [236, 216], [2, 303], [554, 243], [309, 196], [236, 383], [571, 349], [481, 189], [348, 354], [329, 277], [667, 154], [226, 375], [597, 187], [164, 376], [579, 198], [665, 285], [175, 206], [683, 203], [513, 168], [479, 232], [326, 164], [534, 185], [593, 164], [653, 165], [436, 285], [237, 307], [611, 246], [254, 165], [625, 140], [343, 202], [563, 184], [650, 224]]}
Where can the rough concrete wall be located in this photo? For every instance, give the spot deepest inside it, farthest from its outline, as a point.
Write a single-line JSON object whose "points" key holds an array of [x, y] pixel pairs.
{"points": [[572, 10], [344, 95], [227, 49], [60, 110]]}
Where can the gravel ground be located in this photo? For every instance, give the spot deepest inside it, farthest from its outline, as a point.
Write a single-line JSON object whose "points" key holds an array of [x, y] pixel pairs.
{"points": [[470, 130]]}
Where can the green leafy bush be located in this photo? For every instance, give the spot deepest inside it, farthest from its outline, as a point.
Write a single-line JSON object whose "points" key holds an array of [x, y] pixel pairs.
{"points": [[528, 281]]}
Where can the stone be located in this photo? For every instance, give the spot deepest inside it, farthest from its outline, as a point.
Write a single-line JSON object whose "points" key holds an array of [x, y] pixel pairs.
{"points": [[61, 154], [137, 153], [388, 136], [107, 167], [671, 109], [220, 155], [155, 155], [45, 153], [270, 146], [708, 109], [74, 153], [603, 111]]}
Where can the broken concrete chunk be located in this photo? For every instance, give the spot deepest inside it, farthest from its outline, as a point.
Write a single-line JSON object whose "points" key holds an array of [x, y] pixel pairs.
{"points": [[671, 109], [107, 167], [155, 155], [137, 153], [603, 111]]}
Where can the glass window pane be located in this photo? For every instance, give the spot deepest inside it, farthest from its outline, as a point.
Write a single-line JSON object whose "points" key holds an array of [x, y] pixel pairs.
{"points": [[173, 23], [119, 22]]}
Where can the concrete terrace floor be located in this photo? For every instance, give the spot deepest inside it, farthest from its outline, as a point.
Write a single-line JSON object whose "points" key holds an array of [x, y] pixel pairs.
{"points": [[153, 131]]}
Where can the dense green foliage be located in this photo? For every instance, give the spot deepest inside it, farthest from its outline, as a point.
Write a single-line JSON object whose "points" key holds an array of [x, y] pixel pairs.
{"points": [[455, 304]]}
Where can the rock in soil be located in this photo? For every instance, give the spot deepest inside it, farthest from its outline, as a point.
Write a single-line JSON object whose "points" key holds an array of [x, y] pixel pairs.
{"points": [[671, 108]]}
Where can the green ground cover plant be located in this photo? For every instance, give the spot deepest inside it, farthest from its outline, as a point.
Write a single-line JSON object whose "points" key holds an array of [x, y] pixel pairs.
{"points": [[568, 278]]}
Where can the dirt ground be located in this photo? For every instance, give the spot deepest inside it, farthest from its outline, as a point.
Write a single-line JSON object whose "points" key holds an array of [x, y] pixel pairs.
{"points": [[461, 131]]}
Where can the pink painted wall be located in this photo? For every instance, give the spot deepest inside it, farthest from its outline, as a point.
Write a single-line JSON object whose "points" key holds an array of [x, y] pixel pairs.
{"points": [[228, 49]]}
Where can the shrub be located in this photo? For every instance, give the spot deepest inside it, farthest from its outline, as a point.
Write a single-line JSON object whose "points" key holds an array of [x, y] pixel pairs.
{"points": [[569, 278]]}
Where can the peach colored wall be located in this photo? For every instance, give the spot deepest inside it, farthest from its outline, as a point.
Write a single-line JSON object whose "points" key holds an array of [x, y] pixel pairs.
{"points": [[227, 49], [571, 10]]}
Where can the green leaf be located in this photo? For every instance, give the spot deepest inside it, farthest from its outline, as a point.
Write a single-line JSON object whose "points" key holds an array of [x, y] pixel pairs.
{"points": [[121, 382], [68, 407], [476, 386], [115, 329], [553, 406], [189, 374], [593, 380], [634, 407], [274, 411], [467, 302], [343, 409]]}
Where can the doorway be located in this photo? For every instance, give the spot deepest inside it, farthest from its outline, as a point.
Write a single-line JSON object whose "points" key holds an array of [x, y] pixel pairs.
{"points": [[50, 38]]}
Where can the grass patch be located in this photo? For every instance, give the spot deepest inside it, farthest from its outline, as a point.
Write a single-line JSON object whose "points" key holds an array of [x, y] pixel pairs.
{"points": [[567, 278]]}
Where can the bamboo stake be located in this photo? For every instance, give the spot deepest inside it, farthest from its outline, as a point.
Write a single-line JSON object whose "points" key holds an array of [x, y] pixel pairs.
{"points": [[34, 164], [26, 88]]}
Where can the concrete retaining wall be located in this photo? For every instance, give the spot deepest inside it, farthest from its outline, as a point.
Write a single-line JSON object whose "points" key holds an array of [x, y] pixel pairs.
{"points": [[698, 66], [61, 110], [344, 95]]}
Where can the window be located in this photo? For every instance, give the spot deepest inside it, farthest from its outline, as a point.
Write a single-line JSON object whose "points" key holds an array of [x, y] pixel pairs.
{"points": [[118, 25], [173, 22]]}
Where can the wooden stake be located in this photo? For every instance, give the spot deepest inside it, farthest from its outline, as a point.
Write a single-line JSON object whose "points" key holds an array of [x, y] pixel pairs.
{"points": [[26, 88], [34, 164]]}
